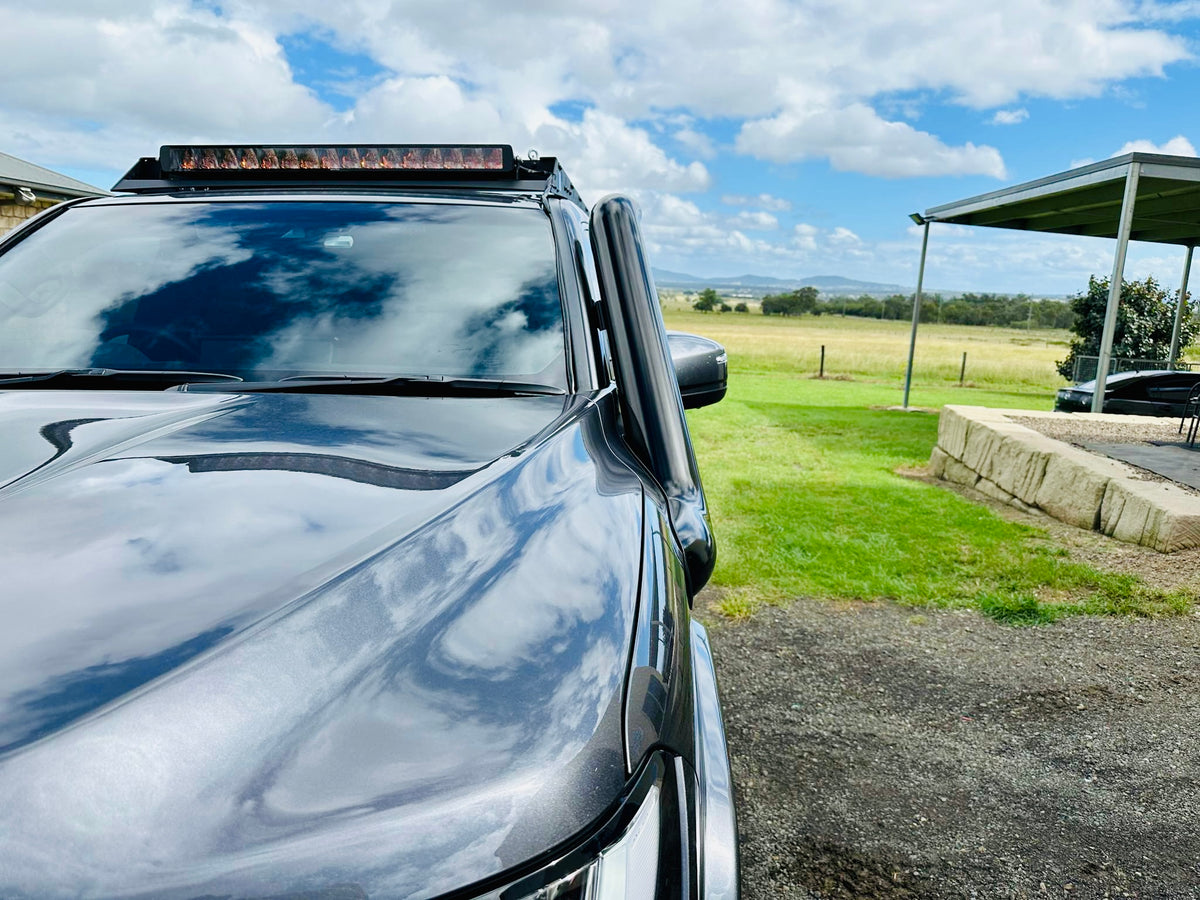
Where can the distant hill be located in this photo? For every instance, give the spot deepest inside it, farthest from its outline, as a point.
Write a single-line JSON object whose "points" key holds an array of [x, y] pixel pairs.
{"points": [[762, 284]]}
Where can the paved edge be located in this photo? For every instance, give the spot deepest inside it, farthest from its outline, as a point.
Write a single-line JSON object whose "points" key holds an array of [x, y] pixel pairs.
{"points": [[984, 449]]}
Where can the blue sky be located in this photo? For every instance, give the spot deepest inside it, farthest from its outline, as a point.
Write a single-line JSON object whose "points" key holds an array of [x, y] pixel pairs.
{"points": [[792, 139]]}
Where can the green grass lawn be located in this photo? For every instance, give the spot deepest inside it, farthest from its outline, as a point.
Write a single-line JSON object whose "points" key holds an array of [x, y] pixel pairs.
{"points": [[801, 475]]}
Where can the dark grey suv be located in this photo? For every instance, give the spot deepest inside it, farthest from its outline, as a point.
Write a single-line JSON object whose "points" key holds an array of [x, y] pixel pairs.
{"points": [[349, 527]]}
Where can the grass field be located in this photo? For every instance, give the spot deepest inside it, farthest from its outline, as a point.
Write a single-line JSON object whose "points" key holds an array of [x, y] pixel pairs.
{"points": [[801, 474], [997, 358]]}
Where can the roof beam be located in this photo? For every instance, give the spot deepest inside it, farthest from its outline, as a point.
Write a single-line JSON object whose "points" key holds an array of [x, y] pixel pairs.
{"points": [[1104, 197]]}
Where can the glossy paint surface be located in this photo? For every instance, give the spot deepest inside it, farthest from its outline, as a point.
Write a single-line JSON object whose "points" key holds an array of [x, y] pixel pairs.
{"points": [[658, 702], [259, 644]]}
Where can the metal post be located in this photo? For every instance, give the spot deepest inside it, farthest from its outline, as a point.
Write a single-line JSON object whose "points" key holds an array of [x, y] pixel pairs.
{"points": [[822, 372], [1180, 306], [1114, 285], [912, 341]]}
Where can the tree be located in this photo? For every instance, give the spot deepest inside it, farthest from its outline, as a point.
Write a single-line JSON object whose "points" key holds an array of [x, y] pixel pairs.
{"points": [[742, 307], [1145, 319], [707, 301], [796, 303], [897, 306]]}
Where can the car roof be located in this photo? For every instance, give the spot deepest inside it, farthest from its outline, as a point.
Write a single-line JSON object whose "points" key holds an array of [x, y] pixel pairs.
{"points": [[1122, 378], [479, 197]]}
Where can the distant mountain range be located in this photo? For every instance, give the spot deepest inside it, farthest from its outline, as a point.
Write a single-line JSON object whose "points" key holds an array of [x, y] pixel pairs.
{"points": [[761, 284]]}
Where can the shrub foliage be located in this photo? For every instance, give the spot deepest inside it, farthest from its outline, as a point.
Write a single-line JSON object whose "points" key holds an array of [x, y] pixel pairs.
{"points": [[1145, 319]]}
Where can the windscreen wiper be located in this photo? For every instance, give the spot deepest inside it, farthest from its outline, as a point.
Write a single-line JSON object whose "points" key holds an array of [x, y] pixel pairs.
{"points": [[388, 386], [109, 378]]}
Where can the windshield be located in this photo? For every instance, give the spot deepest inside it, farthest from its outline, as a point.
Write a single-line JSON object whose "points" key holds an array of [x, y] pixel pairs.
{"points": [[270, 290]]}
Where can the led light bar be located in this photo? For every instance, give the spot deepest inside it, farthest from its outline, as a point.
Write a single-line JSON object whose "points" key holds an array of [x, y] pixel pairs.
{"points": [[400, 159]]}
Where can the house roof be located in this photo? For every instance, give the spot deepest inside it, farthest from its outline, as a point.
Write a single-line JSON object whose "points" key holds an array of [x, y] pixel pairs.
{"points": [[1087, 201], [20, 173]]}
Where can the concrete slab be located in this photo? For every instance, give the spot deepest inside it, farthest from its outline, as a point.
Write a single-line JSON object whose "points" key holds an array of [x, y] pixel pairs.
{"points": [[1174, 461]]}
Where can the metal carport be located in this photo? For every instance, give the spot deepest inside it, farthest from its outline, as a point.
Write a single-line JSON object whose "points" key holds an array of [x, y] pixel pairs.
{"points": [[1138, 196]]}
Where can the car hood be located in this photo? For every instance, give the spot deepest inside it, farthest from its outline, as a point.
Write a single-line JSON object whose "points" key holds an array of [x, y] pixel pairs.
{"points": [[261, 644]]}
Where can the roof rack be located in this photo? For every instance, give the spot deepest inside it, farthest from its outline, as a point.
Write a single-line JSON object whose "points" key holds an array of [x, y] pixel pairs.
{"points": [[444, 166]]}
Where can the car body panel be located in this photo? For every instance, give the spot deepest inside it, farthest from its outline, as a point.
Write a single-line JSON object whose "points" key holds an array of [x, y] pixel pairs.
{"points": [[269, 643], [1149, 393]]}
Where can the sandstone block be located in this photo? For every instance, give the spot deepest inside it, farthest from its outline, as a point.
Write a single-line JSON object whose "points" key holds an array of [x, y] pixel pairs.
{"points": [[937, 462], [958, 473], [1019, 462], [991, 489], [952, 431], [1151, 513], [1023, 507], [982, 441], [1072, 492]]}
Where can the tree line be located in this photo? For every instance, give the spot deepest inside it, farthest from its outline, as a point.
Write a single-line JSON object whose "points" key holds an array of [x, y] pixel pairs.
{"points": [[964, 309], [1144, 325]]}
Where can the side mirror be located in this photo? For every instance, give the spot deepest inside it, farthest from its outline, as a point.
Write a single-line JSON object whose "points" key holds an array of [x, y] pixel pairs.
{"points": [[701, 366]]}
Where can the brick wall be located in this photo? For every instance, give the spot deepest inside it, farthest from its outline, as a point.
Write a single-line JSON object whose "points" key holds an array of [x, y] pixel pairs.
{"points": [[12, 214]]}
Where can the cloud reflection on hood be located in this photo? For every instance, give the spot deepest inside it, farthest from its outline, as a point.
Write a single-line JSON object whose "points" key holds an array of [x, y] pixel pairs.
{"points": [[362, 732]]}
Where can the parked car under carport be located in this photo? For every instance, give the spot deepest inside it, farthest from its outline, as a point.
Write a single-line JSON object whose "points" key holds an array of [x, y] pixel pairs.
{"points": [[1152, 393]]}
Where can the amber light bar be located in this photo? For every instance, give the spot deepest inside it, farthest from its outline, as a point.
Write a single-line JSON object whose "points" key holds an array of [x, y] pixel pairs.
{"points": [[403, 159]]}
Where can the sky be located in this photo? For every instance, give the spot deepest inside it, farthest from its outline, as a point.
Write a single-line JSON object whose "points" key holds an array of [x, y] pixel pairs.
{"points": [[788, 139]]}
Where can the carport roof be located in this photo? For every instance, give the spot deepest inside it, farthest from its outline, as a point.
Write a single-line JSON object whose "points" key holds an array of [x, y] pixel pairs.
{"points": [[1087, 201]]}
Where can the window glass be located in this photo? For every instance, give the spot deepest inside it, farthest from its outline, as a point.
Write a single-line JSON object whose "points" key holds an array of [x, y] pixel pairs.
{"points": [[1172, 389], [272, 289]]}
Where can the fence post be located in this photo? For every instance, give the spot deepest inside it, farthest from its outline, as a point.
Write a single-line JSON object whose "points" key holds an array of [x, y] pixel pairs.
{"points": [[822, 372], [963, 371]]}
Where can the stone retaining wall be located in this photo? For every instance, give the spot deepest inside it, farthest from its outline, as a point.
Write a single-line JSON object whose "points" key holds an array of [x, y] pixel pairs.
{"points": [[983, 449]]}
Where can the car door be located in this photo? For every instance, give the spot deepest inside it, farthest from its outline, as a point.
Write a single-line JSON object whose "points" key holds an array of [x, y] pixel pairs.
{"points": [[1130, 399], [1168, 395]]}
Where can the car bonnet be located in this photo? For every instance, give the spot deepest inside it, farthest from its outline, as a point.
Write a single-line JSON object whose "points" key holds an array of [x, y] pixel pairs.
{"points": [[266, 644]]}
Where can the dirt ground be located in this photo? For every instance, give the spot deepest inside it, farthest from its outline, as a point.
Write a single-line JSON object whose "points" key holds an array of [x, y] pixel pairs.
{"points": [[883, 752]]}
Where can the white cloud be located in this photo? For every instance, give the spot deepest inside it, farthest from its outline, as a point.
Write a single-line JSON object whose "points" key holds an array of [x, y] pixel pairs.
{"points": [[677, 228], [175, 69], [961, 257], [856, 139], [844, 237], [1170, 11], [806, 79], [762, 201], [804, 236], [1176, 146], [755, 221], [1009, 116], [435, 107], [605, 154], [850, 82], [698, 142]]}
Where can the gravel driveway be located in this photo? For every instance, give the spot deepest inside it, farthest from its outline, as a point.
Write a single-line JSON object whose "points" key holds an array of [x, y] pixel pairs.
{"points": [[883, 752]]}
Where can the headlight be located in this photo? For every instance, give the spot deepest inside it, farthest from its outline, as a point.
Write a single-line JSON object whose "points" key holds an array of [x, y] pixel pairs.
{"points": [[627, 869], [640, 853]]}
